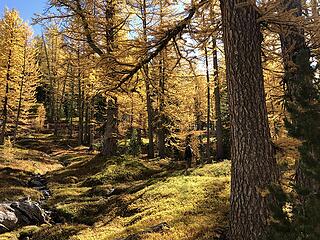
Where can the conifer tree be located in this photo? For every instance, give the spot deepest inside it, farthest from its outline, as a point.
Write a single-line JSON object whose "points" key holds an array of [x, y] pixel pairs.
{"points": [[13, 42], [254, 167]]}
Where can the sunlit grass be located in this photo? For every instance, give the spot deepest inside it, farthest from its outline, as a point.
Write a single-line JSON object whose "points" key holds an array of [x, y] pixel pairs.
{"points": [[146, 194], [193, 205], [27, 160]]}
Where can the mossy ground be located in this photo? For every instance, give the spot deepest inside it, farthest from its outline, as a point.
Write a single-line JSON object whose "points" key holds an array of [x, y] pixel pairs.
{"points": [[99, 198], [16, 168]]}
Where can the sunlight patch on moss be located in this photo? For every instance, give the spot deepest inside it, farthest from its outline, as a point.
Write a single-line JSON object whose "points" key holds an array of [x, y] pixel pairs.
{"points": [[192, 205]]}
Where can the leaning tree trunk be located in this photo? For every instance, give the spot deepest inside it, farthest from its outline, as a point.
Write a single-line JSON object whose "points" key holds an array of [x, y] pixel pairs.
{"points": [[110, 136], [253, 167]]}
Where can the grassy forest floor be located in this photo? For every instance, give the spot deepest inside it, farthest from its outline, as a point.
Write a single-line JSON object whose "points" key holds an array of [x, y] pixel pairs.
{"points": [[118, 198]]}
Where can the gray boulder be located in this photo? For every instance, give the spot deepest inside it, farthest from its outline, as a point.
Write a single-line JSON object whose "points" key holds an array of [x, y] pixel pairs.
{"points": [[22, 213], [8, 219], [29, 213]]}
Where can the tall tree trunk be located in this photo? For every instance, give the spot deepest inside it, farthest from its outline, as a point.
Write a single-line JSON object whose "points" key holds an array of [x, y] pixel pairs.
{"points": [[87, 123], [52, 113], [91, 123], [161, 129], [71, 109], [162, 76], [54, 67], [147, 83], [131, 116], [111, 130], [63, 93], [197, 107], [20, 93], [5, 103], [80, 103], [150, 113], [219, 134], [208, 106], [5, 116], [110, 136], [253, 167]]}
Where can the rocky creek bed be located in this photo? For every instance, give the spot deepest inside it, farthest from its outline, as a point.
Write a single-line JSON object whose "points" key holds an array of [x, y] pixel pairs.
{"points": [[15, 214]]}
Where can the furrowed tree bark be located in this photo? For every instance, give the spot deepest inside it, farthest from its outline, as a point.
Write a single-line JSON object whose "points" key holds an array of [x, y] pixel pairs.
{"points": [[253, 167]]}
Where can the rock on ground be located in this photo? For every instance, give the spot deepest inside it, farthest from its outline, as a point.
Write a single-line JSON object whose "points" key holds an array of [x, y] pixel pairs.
{"points": [[21, 213]]}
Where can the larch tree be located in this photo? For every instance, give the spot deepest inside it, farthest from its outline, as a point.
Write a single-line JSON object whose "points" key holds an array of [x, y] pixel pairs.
{"points": [[53, 66], [253, 168], [13, 32], [28, 82]]}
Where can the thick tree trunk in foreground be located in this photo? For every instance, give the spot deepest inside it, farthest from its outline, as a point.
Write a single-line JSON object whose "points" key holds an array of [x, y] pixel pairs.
{"points": [[253, 163], [111, 130]]}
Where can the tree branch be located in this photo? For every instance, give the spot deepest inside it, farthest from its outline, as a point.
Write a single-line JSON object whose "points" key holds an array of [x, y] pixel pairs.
{"points": [[162, 43]]}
